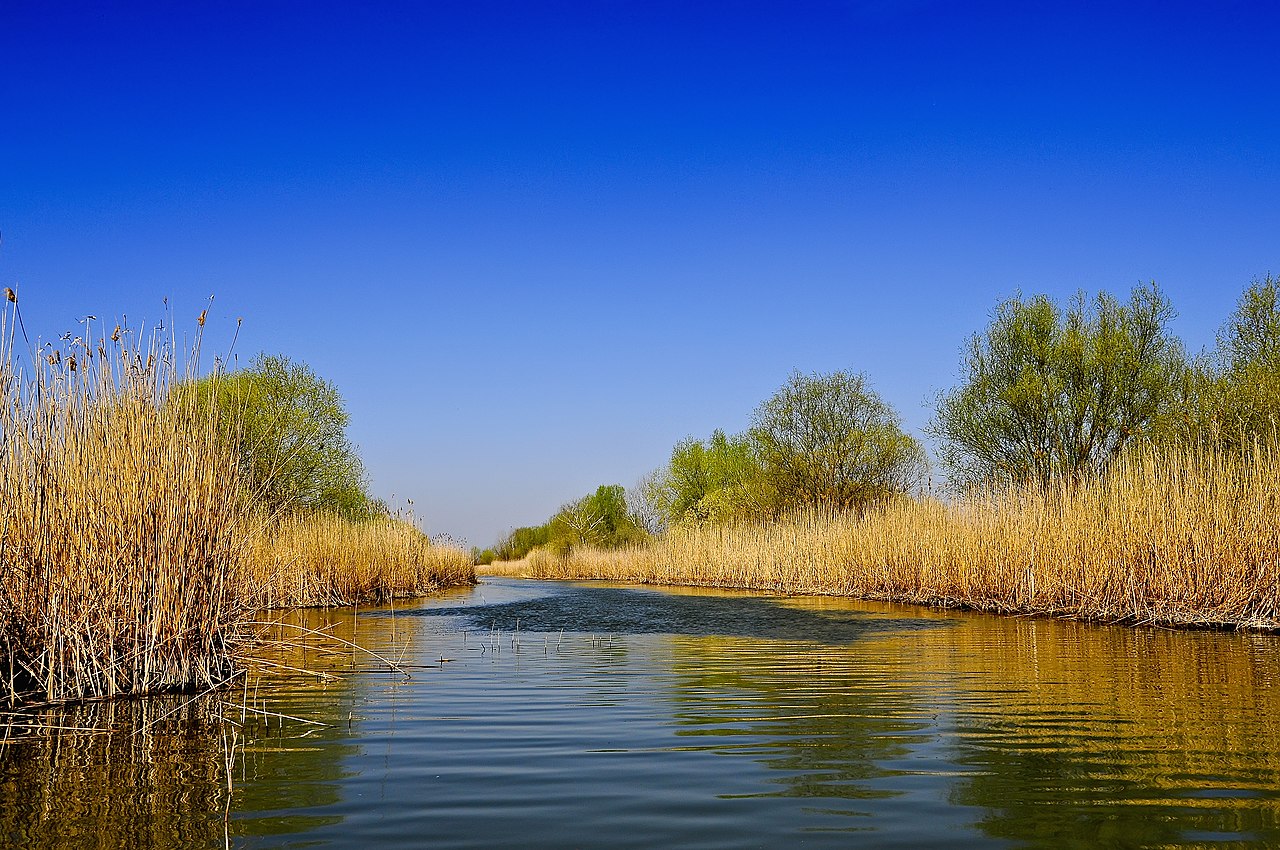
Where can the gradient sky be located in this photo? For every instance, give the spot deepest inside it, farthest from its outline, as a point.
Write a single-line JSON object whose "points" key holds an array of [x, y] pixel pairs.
{"points": [[535, 244]]}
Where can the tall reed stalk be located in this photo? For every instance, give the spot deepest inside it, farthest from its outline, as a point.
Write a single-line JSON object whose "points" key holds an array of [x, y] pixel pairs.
{"points": [[1184, 536], [309, 561], [121, 519]]}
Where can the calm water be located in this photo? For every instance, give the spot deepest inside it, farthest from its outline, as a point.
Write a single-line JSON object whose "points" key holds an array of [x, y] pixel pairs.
{"points": [[571, 715]]}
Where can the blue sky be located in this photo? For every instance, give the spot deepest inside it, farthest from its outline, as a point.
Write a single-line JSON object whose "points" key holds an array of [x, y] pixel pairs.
{"points": [[536, 244]]}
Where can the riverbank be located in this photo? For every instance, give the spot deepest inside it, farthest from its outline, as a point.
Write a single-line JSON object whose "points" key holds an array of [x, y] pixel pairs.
{"points": [[1185, 537], [325, 561], [134, 549]]}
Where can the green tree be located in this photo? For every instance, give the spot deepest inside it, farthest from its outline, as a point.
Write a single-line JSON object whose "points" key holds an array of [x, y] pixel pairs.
{"points": [[522, 541], [291, 437], [600, 519], [1236, 399], [712, 481], [1048, 393], [830, 441], [1251, 336]]}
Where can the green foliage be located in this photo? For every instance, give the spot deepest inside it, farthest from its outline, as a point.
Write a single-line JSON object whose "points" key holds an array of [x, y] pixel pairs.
{"points": [[521, 542], [292, 437], [1251, 336], [830, 441], [1239, 395], [1049, 393], [600, 519], [485, 556], [821, 440], [713, 481]]}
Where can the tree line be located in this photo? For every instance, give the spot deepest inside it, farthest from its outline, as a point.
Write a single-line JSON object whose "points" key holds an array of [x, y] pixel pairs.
{"points": [[1047, 392]]}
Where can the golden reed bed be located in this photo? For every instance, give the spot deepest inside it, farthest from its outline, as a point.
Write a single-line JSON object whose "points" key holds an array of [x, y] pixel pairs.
{"points": [[131, 555], [121, 515], [316, 561], [1177, 537]]}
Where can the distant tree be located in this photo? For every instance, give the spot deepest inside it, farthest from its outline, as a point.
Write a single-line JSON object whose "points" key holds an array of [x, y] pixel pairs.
{"points": [[1048, 393], [830, 441], [711, 481], [644, 503], [600, 519], [1251, 336], [1236, 399], [522, 541], [291, 436]]}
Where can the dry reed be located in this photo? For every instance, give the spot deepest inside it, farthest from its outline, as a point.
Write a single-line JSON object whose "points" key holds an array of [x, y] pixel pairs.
{"points": [[1180, 537], [131, 552], [120, 518], [326, 560]]}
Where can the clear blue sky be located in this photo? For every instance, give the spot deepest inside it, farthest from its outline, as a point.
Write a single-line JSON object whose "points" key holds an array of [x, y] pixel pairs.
{"points": [[535, 244]]}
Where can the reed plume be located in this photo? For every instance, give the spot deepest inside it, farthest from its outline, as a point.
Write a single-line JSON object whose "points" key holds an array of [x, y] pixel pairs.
{"points": [[121, 520]]}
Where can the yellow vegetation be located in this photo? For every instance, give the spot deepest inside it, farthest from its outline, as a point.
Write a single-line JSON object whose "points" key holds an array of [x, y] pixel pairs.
{"points": [[1180, 536], [131, 553], [120, 521], [326, 560]]}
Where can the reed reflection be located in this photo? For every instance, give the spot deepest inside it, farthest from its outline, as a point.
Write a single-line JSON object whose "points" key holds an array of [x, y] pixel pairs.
{"points": [[1108, 737], [261, 759]]}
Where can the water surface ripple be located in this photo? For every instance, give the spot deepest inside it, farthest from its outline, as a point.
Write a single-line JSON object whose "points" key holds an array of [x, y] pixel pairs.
{"points": [[545, 714]]}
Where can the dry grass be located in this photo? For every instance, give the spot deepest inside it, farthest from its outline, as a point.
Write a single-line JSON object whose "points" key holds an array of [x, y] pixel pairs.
{"points": [[1183, 537], [512, 569], [325, 560], [131, 554], [120, 521]]}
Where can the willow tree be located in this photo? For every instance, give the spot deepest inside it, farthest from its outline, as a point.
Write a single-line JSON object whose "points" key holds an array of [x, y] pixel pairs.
{"points": [[291, 437], [1245, 402], [1049, 393], [600, 519], [830, 441], [713, 480]]}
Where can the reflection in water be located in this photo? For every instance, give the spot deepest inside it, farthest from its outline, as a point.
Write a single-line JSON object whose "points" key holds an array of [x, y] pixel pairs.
{"points": [[1058, 734], [639, 718], [1093, 737], [824, 723], [156, 773], [163, 788]]}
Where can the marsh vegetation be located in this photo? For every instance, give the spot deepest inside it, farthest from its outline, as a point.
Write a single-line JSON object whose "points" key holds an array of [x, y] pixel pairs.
{"points": [[1092, 470], [141, 522]]}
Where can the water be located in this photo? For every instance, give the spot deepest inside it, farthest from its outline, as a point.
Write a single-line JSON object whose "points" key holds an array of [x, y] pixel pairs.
{"points": [[573, 715]]}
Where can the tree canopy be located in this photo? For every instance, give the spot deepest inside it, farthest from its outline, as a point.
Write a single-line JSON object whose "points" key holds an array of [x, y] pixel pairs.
{"points": [[291, 436], [601, 520], [1235, 395], [714, 480], [1047, 392], [830, 441], [820, 441]]}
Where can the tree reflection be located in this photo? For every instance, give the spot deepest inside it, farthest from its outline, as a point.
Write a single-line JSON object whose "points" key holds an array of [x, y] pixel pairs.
{"points": [[1051, 734]]}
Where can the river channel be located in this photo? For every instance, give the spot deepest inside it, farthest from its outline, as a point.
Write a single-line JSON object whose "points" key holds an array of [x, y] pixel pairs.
{"points": [[557, 714]]}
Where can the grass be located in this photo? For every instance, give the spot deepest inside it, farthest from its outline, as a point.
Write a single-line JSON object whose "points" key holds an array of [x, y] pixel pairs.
{"points": [[1182, 537], [121, 517], [132, 554], [325, 560]]}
